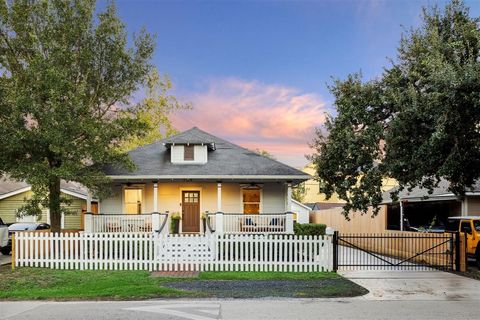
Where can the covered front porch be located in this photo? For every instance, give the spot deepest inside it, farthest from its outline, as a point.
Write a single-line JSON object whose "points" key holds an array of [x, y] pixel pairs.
{"points": [[262, 207]]}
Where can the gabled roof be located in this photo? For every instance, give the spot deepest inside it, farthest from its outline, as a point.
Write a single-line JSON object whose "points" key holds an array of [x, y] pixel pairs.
{"points": [[10, 187], [439, 193], [227, 162], [193, 136]]}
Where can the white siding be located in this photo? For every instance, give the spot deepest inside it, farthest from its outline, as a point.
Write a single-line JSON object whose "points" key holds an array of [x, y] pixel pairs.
{"points": [[302, 212], [200, 155]]}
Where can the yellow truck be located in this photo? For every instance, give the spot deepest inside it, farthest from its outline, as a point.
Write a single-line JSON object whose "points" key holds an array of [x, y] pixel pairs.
{"points": [[470, 225]]}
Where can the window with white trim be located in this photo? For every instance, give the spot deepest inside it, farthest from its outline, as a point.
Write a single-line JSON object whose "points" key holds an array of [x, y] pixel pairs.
{"points": [[251, 201]]}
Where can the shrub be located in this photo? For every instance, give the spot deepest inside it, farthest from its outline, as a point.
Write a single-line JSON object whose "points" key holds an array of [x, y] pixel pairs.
{"points": [[309, 229]]}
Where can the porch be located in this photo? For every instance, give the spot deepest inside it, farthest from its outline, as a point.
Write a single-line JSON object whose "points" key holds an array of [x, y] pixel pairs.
{"points": [[205, 206]]}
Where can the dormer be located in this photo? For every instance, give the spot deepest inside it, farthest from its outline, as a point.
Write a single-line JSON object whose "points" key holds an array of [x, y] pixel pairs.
{"points": [[189, 148]]}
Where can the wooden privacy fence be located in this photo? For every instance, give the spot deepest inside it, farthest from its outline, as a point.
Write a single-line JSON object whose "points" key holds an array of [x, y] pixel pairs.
{"points": [[142, 251]]}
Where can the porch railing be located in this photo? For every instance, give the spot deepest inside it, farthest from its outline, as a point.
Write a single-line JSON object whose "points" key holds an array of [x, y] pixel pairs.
{"points": [[264, 223], [147, 223]]}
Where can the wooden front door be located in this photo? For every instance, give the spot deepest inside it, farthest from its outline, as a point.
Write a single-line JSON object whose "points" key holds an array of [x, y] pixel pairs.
{"points": [[190, 211]]}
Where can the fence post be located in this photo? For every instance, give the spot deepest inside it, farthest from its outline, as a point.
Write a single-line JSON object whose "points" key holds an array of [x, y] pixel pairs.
{"points": [[335, 251], [88, 222], [219, 223], [289, 222]]}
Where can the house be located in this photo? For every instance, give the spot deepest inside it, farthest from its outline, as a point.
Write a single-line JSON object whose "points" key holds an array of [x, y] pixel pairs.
{"points": [[421, 209], [13, 194], [195, 174]]}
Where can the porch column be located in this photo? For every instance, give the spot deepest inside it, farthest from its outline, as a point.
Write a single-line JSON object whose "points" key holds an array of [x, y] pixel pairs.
{"points": [[155, 197], [219, 197], [219, 223], [289, 197], [88, 222], [401, 215], [465, 206], [89, 201]]}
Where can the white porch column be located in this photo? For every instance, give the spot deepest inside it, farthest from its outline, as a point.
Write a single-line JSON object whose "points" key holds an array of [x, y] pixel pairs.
{"points": [[89, 201], [289, 222], [465, 206], [88, 222], [155, 221], [219, 223], [219, 197], [62, 221], [155, 197], [401, 215], [289, 198]]}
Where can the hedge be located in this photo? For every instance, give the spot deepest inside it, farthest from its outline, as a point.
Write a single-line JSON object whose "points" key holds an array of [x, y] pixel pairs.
{"points": [[309, 229]]}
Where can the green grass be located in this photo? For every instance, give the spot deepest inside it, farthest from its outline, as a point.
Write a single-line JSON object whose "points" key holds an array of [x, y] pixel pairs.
{"points": [[48, 284], [38, 283]]}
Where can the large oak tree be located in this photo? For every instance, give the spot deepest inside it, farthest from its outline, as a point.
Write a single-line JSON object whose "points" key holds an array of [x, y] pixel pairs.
{"points": [[68, 73], [418, 122]]}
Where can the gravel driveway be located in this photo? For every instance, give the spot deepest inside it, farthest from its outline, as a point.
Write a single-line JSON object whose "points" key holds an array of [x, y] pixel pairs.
{"points": [[271, 288]]}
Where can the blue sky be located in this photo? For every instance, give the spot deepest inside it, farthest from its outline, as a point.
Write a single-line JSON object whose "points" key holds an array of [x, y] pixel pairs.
{"points": [[256, 72]]}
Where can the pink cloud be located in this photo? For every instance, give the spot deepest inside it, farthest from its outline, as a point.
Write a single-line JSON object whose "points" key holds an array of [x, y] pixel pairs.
{"points": [[275, 118]]}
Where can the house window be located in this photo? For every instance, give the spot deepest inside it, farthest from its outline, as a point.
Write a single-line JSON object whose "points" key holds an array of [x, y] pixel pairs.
{"points": [[188, 153], [133, 200], [251, 201]]}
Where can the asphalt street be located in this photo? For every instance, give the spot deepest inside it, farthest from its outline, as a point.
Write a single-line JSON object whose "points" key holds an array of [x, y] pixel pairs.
{"points": [[264, 309]]}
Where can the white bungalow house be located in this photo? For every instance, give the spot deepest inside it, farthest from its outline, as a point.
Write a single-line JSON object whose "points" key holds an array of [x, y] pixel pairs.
{"points": [[195, 174]]}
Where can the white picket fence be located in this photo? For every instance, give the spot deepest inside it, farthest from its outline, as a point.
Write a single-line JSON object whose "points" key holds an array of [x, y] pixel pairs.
{"points": [[142, 251]]}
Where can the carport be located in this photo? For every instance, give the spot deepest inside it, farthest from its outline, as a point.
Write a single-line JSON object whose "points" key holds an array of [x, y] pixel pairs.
{"points": [[419, 210]]}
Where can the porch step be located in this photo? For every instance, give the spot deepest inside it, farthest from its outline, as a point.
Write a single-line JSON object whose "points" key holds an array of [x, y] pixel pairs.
{"points": [[175, 274]]}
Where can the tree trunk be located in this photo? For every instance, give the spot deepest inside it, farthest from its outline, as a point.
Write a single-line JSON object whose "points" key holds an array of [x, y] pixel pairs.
{"points": [[54, 205]]}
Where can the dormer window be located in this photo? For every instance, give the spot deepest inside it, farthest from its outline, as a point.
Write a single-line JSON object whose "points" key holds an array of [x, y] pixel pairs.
{"points": [[188, 153]]}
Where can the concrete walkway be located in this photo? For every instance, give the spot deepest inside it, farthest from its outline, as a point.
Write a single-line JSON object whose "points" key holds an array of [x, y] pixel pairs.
{"points": [[415, 285]]}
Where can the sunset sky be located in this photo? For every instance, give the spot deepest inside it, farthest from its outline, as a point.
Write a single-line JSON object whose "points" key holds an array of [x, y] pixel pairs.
{"points": [[256, 72]]}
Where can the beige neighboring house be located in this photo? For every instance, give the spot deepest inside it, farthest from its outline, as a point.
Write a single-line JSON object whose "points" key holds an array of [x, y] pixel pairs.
{"points": [[13, 195], [318, 201]]}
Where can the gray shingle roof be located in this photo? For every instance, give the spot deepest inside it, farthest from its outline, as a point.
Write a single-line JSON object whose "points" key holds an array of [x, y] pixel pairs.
{"points": [[192, 136], [153, 160], [8, 185], [418, 194]]}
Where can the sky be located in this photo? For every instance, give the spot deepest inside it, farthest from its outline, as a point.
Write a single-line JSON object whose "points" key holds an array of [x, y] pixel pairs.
{"points": [[257, 72]]}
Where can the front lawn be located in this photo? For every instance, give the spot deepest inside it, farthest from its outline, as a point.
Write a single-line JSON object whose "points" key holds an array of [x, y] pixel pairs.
{"points": [[39, 283]]}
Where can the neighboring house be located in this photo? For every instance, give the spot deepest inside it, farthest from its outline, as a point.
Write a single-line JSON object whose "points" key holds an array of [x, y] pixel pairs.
{"points": [[13, 195], [302, 212], [317, 201], [421, 209], [195, 172]]}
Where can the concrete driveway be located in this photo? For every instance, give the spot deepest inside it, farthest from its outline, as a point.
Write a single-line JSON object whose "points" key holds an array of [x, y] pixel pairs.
{"points": [[5, 259], [415, 285], [419, 285]]}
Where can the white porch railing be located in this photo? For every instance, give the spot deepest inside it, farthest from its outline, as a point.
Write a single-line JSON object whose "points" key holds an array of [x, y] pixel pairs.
{"points": [[121, 223], [256, 223], [95, 223]]}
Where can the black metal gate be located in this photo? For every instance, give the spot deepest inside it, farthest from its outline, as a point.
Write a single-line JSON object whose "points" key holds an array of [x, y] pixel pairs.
{"points": [[395, 251]]}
